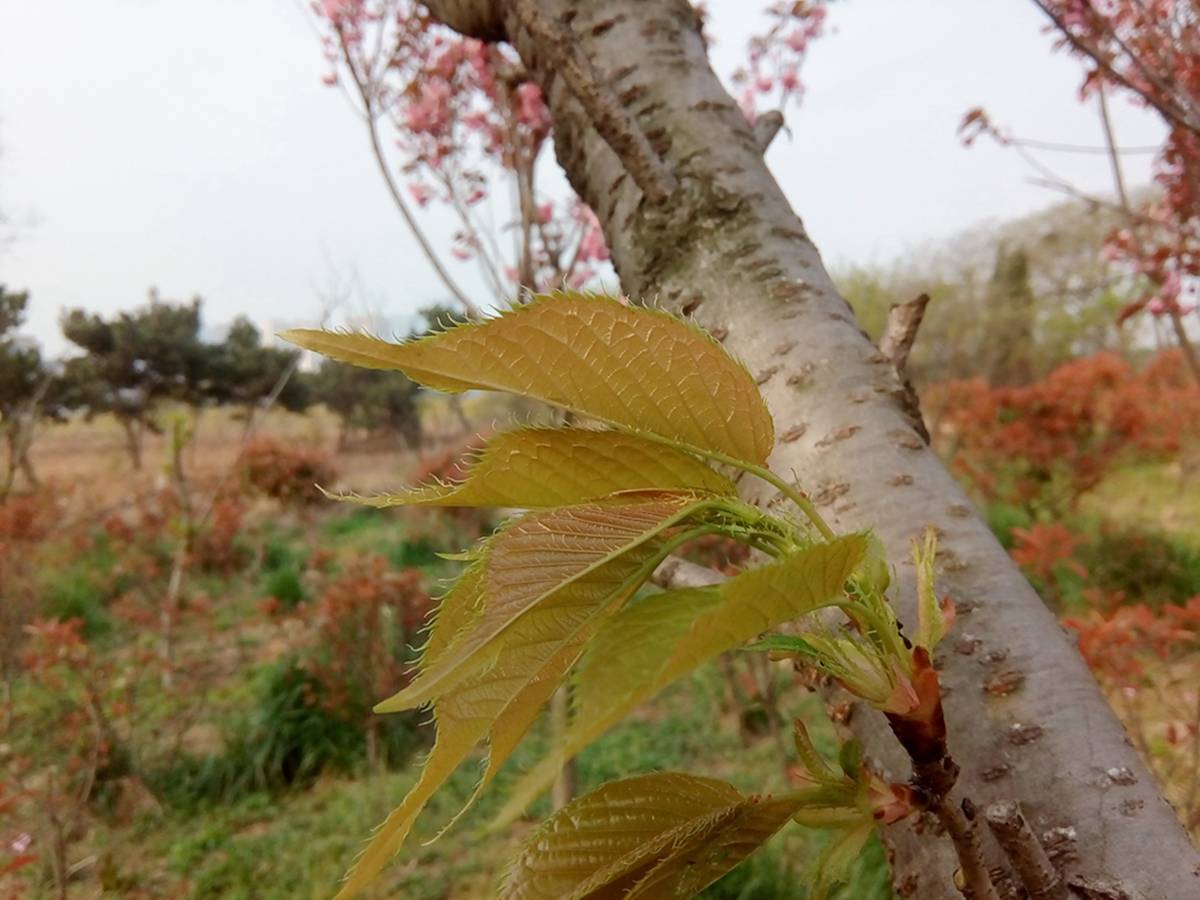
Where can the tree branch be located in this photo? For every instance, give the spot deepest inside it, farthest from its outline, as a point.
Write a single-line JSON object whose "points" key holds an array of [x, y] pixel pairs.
{"points": [[976, 883], [1174, 116], [607, 116], [370, 114], [900, 333], [896, 342], [765, 128], [1026, 854]]}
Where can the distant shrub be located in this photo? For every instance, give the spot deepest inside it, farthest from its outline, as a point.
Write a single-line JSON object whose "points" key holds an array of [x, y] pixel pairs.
{"points": [[279, 554], [365, 622], [75, 594], [1145, 661], [287, 739], [284, 586], [286, 473], [26, 518], [294, 733], [413, 552], [1043, 444], [219, 547], [1142, 566], [1004, 519]]}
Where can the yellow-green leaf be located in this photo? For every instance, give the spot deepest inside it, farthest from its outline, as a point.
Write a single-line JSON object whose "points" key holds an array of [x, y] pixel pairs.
{"points": [[502, 701], [540, 467], [651, 837], [835, 862], [931, 619], [650, 644], [531, 558], [643, 370]]}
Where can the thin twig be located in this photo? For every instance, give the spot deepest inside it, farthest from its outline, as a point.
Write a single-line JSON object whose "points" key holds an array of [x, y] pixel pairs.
{"points": [[964, 834], [1181, 335], [1098, 58], [370, 115], [610, 120], [1025, 852]]}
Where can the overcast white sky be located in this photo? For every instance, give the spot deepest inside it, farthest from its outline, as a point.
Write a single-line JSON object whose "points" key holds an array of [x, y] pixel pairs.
{"points": [[192, 146]]}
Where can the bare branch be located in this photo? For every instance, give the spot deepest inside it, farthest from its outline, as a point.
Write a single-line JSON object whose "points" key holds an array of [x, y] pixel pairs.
{"points": [[895, 344], [765, 128], [371, 116], [900, 333], [676, 572], [611, 122], [1026, 854]]}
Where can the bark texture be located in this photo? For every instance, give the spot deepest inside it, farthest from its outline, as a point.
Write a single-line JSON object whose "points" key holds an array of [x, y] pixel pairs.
{"points": [[1026, 720]]}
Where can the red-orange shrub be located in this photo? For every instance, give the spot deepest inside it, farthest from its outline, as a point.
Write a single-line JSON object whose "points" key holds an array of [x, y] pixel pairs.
{"points": [[364, 623], [1148, 662], [1048, 442], [286, 473]]}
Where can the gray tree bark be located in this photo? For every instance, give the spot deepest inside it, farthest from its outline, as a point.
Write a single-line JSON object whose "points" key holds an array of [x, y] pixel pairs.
{"points": [[1027, 721]]}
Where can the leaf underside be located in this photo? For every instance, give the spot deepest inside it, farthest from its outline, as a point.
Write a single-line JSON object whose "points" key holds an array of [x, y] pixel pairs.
{"points": [[642, 370], [650, 644], [579, 565], [651, 837], [546, 467], [533, 556]]}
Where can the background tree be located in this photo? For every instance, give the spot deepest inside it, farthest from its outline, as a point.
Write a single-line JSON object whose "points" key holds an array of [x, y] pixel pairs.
{"points": [[1010, 315], [25, 390], [666, 159], [1071, 308], [241, 370], [133, 362], [1147, 52], [370, 400]]}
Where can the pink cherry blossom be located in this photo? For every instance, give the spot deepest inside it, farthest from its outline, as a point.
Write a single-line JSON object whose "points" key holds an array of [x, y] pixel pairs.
{"points": [[420, 193]]}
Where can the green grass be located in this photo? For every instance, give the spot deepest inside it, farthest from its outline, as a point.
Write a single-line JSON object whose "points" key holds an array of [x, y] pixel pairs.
{"points": [[283, 808], [296, 844], [83, 587], [1150, 495]]}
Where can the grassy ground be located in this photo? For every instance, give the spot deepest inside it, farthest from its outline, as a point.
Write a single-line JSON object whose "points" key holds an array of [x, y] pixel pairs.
{"points": [[186, 827], [196, 828], [1152, 495]]}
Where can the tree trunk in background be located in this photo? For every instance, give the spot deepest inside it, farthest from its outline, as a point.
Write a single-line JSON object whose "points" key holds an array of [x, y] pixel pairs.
{"points": [[728, 249], [133, 441]]}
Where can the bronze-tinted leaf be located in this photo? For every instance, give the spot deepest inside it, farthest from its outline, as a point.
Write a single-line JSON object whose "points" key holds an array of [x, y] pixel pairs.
{"points": [[662, 836], [535, 555], [650, 644], [642, 370], [542, 467]]}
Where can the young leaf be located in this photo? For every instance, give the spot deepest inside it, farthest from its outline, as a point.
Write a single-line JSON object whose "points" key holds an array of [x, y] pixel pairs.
{"points": [[835, 862], [502, 701], [540, 467], [932, 620], [641, 370], [650, 644], [659, 836], [812, 760], [531, 558]]}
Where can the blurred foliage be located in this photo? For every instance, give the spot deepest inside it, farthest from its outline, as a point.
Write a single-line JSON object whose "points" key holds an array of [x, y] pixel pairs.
{"points": [[1009, 301]]}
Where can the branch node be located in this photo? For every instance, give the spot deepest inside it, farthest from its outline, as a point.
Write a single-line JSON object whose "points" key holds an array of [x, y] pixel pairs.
{"points": [[765, 128], [899, 335]]}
